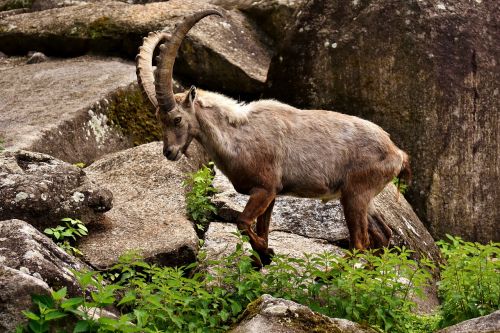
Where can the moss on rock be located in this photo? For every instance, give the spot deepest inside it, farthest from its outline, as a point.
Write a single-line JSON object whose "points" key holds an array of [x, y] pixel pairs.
{"points": [[131, 113], [275, 314]]}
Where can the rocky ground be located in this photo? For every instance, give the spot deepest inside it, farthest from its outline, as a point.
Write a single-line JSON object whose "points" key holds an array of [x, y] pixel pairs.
{"points": [[78, 102]]}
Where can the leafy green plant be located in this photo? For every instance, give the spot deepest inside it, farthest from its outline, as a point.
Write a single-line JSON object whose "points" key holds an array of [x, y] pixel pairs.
{"points": [[363, 287], [470, 283], [400, 184], [371, 289], [198, 198], [66, 234], [1, 145], [49, 312]]}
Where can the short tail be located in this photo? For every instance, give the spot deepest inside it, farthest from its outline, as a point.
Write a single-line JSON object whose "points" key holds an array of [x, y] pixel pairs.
{"points": [[405, 173]]}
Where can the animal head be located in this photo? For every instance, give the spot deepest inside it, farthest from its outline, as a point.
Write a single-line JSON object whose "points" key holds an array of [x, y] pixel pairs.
{"points": [[175, 111]]}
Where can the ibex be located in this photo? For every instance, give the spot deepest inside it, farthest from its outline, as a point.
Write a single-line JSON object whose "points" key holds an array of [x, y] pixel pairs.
{"points": [[267, 148]]}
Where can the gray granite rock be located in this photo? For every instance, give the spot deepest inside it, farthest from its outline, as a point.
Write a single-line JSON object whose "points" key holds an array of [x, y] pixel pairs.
{"points": [[62, 107], [485, 324], [149, 211], [42, 190], [221, 241], [428, 73], [229, 54], [24, 248], [15, 296]]}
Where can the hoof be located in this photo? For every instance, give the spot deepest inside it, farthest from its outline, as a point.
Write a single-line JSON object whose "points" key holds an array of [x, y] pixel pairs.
{"points": [[267, 258], [256, 263]]}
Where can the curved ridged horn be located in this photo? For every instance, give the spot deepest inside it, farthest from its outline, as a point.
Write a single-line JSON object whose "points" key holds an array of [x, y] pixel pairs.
{"points": [[168, 52], [144, 65]]}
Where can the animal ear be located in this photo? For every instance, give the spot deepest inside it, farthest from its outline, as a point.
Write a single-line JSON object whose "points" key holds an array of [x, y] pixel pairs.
{"points": [[190, 97]]}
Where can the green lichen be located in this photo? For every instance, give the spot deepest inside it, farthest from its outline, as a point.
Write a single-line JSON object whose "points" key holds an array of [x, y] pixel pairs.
{"points": [[101, 27], [309, 321], [252, 309], [131, 113]]}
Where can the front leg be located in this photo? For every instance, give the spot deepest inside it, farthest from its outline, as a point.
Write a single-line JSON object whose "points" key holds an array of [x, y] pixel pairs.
{"points": [[257, 205], [262, 229]]}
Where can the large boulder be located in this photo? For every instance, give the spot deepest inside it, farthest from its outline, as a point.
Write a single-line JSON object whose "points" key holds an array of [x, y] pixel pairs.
{"points": [[69, 108], [426, 71], [41, 190], [149, 211], [313, 219], [484, 324], [15, 296], [272, 15], [30, 263], [24, 248], [229, 54], [277, 315]]}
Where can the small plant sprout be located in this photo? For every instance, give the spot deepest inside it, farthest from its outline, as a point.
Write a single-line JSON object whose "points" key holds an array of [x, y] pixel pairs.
{"points": [[65, 235], [361, 286], [198, 198], [400, 184]]}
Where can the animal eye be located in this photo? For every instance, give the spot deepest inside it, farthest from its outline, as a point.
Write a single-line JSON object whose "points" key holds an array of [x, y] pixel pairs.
{"points": [[177, 120]]}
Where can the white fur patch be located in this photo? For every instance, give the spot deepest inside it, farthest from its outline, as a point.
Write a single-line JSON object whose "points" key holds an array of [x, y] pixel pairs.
{"points": [[235, 112]]}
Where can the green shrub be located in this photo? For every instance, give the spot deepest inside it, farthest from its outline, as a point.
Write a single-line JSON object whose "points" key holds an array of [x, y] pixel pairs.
{"points": [[65, 235], [1, 145], [198, 198], [470, 280], [361, 287]]}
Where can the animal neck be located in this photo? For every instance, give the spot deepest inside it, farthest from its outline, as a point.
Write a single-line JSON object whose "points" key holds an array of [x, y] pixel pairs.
{"points": [[212, 136], [219, 119]]}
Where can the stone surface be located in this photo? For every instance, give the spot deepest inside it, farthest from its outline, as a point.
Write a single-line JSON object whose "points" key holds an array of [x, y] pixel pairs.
{"points": [[27, 250], [427, 72], [37, 57], [271, 15], [62, 107], [15, 296], [485, 324], [221, 241], [311, 218], [49, 4], [42, 190], [277, 315], [226, 54], [149, 212]]}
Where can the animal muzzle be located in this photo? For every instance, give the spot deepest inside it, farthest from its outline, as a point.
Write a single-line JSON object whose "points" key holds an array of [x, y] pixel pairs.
{"points": [[172, 153]]}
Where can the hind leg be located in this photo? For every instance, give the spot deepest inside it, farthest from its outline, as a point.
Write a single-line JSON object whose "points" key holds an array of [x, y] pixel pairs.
{"points": [[356, 215]]}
